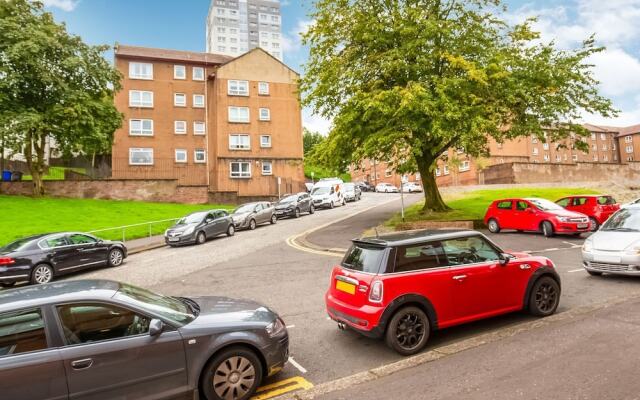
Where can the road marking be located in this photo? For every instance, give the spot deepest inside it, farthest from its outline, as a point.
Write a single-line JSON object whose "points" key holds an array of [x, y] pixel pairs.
{"points": [[573, 245], [282, 387], [298, 366], [290, 326], [552, 249], [576, 270]]}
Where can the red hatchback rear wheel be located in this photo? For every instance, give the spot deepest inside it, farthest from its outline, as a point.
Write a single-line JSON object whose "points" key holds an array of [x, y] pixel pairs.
{"points": [[408, 331]]}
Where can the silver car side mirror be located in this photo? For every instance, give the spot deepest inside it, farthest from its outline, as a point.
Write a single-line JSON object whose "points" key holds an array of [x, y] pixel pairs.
{"points": [[156, 327]]}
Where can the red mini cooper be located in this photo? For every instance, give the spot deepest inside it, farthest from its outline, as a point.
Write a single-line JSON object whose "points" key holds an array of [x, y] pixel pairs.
{"points": [[403, 286], [532, 214], [597, 208]]}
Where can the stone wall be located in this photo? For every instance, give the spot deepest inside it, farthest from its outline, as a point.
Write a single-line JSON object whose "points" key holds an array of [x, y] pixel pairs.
{"points": [[625, 174]]}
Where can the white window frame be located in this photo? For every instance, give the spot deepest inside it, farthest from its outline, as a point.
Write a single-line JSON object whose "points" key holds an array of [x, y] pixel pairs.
{"points": [[235, 88], [178, 76], [446, 170], [175, 100], [236, 119], [629, 149], [241, 145], [197, 77], [139, 149], [180, 131], [142, 131], [263, 88], [574, 157], [535, 151], [240, 174], [140, 104], [464, 166], [181, 151], [595, 157], [198, 96], [197, 132], [545, 146], [438, 171], [546, 157], [134, 75], [628, 139], [195, 156], [266, 117], [270, 170], [603, 136], [263, 144]]}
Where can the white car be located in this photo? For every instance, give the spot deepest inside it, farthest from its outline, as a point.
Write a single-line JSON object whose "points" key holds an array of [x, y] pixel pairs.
{"points": [[386, 188], [327, 195], [626, 205], [615, 247], [411, 187]]}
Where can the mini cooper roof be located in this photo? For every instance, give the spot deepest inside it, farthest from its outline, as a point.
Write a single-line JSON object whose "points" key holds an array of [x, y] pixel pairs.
{"points": [[413, 237]]}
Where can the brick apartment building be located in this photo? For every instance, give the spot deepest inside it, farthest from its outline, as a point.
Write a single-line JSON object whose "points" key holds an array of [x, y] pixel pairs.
{"points": [[231, 124], [607, 145]]}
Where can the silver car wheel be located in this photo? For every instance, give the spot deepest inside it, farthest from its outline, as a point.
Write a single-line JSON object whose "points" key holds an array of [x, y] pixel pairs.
{"points": [[42, 274], [233, 378], [115, 258]]}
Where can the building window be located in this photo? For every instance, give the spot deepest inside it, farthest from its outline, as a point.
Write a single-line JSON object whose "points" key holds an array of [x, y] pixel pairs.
{"points": [[181, 156], [499, 145], [180, 100], [141, 127], [239, 142], [593, 136], [446, 170], [180, 127], [465, 166], [546, 157], [605, 158], [238, 88], [140, 156], [139, 98], [265, 141], [535, 151], [630, 158], [615, 157], [594, 147], [534, 139], [388, 173], [240, 169], [265, 114], [574, 157], [198, 101], [545, 146], [199, 128], [603, 136], [179, 72], [595, 157], [199, 156], [263, 88], [628, 139], [198, 73], [239, 114], [629, 149], [604, 147], [267, 168], [558, 158], [140, 71], [438, 172], [613, 146]]}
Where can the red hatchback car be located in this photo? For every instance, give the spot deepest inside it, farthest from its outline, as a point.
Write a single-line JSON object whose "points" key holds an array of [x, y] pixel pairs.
{"points": [[532, 214], [597, 208], [403, 286]]}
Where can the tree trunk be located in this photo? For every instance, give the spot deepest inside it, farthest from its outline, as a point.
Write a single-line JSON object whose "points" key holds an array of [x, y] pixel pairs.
{"points": [[432, 198], [36, 166]]}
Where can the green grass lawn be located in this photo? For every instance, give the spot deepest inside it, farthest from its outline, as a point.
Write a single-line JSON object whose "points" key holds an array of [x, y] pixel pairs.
{"points": [[473, 205], [319, 173], [23, 216], [55, 174]]}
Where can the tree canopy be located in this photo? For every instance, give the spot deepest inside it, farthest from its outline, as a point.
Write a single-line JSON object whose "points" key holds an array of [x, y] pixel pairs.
{"points": [[53, 87], [406, 80]]}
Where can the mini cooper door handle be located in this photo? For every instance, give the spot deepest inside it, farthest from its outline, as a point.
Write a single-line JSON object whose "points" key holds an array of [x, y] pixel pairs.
{"points": [[82, 364], [459, 277]]}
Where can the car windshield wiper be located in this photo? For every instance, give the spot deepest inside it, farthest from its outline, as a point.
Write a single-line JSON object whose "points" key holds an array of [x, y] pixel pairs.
{"points": [[621, 229], [193, 306]]}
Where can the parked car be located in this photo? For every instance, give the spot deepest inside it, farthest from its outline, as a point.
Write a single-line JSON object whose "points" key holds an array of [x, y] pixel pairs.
{"points": [[250, 215], [532, 214], [632, 202], [365, 186], [403, 286], [352, 192], [40, 259], [294, 205], [615, 248], [327, 194], [199, 226], [411, 187], [386, 188], [109, 340], [597, 207]]}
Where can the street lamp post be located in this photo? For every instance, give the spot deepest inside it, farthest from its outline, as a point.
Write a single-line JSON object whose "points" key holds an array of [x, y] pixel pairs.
{"points": [[404, 180]]}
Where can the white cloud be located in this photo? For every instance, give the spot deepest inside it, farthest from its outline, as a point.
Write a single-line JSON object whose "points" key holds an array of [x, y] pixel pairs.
{"points": [[617, 71], [627, 117], [65, 5], [292, 41], [315, 123]]}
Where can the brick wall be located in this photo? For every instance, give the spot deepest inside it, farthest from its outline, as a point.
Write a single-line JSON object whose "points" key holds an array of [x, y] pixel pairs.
{"points": [[549, 173]]}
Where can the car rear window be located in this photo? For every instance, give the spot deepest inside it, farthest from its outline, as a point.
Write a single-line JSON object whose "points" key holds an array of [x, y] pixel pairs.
{"points": [[364, 258], [606, 200], [504, 205]]}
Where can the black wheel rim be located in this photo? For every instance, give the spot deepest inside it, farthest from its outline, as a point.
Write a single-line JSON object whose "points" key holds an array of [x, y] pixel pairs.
{"points": [[546, 297], [410, 331]]}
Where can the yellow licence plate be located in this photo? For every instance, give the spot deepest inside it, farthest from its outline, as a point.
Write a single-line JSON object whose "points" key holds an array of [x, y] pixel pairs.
{"points": [[346, 287]]}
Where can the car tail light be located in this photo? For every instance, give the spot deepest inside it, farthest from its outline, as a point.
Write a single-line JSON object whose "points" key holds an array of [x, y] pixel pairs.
{"points": [[377, 289], [7, 261]]}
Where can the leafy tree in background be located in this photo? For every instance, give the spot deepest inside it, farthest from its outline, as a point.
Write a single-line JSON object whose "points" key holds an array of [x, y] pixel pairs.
{"points": [[54, 87], [310, 140], [406, 80]]}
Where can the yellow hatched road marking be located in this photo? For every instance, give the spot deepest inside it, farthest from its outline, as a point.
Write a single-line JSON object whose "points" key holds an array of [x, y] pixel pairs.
{"points": [[282, 387]]}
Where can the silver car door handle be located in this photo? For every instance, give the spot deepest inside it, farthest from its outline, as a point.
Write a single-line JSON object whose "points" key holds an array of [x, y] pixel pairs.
{"points": [[459, 277], [82, 364]]}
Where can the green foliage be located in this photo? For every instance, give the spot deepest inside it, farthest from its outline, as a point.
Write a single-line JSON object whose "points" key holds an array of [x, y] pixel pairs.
{"points": [[310, 140], [322, 172], [471, 206], [55, 174], [24, 216], [406, 80], [54, 86]]}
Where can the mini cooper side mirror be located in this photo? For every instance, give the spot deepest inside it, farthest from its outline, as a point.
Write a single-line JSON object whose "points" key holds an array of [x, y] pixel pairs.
{"points": [[504, 259], [156, 327]]}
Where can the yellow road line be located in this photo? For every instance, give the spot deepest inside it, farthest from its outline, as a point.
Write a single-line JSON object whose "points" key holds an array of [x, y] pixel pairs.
{"points": [[282, 387]]}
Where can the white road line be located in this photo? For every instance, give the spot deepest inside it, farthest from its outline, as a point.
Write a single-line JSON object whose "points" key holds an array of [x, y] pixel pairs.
{"points": [[576, 270], [290, 326], [551, 249], [298, 366], [574, 245]]}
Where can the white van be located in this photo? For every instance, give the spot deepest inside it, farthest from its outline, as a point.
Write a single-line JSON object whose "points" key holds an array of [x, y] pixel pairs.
{"points": [[328, 193]]}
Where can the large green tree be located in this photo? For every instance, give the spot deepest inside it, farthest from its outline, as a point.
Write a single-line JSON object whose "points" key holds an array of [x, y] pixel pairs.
{"points": [[310, 140], [406, 80], [54, 88]]}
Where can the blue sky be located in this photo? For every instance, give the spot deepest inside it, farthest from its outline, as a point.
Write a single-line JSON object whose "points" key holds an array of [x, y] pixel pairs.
{"points": [[180, 24]]}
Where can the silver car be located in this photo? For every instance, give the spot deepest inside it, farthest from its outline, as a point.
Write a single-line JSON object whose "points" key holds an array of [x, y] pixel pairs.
{"points": [[615, 247], [250, 215]]}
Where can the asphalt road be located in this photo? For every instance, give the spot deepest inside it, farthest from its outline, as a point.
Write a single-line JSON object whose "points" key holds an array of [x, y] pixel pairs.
{"points": [[261, 266]]}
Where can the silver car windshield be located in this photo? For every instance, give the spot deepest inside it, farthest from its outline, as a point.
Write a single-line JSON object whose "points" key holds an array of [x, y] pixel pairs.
{"points": [[175, 310], [192, 219], [245, 209], [625, 220]]}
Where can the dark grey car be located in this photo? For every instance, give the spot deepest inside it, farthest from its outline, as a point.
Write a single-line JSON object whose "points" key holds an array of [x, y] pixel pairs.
{"points": [[250, 215], [199, 226], [108, 340]]}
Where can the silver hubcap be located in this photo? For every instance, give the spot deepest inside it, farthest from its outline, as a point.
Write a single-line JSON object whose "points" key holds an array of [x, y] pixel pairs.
{"points": [[116, 257], [253, 224], [232, 230], [200, 238], [492, 225], [234, 378], [42, 274]]}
